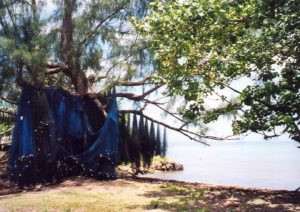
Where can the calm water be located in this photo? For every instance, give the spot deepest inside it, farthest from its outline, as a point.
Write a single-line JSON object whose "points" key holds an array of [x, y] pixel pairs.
{"points": [[261, 164]]}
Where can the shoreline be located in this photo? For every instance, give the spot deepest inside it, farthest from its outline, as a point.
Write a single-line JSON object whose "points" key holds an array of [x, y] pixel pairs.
{"points": [[4, 185], [153, 179], [152, 175]]}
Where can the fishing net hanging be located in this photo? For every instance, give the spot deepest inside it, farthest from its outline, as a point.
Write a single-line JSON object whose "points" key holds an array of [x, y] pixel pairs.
{"points": [[57, 134], [54, 136]]}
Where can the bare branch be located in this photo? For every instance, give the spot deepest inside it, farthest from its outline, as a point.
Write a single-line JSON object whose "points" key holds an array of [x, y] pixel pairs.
{"points": [[93, 78], [56, 68], [166, 111], [154, 102], [4, 27], [8, 100], [185, 133], [124, 59], [118, 63], [54, 71], [7, 112], [187, 123], [136, 83], [135, 97]]}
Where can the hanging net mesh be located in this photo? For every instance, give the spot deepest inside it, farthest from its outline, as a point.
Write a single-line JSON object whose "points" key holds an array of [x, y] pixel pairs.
{"points": [[55, 137], [57, 134]]}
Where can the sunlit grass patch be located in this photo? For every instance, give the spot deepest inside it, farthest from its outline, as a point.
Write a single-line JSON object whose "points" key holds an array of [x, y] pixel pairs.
{"points": [[177, 197], [80, 198]]}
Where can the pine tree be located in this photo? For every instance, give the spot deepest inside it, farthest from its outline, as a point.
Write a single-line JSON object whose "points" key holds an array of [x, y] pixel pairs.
{"points": [[81, 44], [85, 47]]}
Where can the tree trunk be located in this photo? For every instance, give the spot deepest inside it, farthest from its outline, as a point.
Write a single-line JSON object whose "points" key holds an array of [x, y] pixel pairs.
{"points": [[71, 56], [68, 53], [80, 81]]}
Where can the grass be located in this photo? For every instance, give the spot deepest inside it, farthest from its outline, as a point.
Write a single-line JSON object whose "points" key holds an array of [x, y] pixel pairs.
{"points": [[177, 197], [109, 196], [82, 194], [70, 201]]}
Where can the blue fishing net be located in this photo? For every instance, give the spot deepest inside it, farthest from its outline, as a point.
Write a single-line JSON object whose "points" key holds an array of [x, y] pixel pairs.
{"points": [[58, 134]]}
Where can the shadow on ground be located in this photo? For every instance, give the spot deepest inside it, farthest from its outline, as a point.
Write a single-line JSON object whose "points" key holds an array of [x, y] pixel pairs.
{"points": [[191, 197]]}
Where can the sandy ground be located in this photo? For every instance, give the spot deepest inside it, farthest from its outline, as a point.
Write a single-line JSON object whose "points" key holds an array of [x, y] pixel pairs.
{"points": [[143, 194]]}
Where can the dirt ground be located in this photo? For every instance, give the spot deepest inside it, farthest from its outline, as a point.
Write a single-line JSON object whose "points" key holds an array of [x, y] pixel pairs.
{"points": [[143, 194]]}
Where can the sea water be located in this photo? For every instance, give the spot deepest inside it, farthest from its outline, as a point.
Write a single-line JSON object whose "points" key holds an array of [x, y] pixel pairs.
{"points": [[271, 164]]}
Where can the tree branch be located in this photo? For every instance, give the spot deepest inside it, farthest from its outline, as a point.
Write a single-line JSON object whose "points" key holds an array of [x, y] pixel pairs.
{"points": [[7, 5], [4, 27], [17, 34], [166, 111], [185, 123], [8, 100], [89, 36], [136, 83], [135, 97], [185, 133], [56, 68], [7, 112]]}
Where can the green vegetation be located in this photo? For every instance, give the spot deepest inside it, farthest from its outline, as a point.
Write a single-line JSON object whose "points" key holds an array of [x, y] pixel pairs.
{"points": [[4, 130], [78, 46], [85, 47], [141, 195], [70, 53], [179, 198], [202, 47]]}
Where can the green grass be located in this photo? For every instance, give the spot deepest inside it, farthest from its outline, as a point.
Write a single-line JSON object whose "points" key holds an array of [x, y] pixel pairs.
{"points": [[129, 195], [176, 197], [107, 196], [73, 199]]}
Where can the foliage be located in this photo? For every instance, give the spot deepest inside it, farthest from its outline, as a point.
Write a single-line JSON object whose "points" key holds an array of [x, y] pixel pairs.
{"points": [[6, 121], [102, 42], [4, 130], [85, 47], [202, 47]]}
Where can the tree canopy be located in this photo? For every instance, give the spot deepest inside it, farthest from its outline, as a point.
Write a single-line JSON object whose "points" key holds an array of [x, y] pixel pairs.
{"points": [[83, 46], [199, 49], [202, 47], [70, 44]]}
